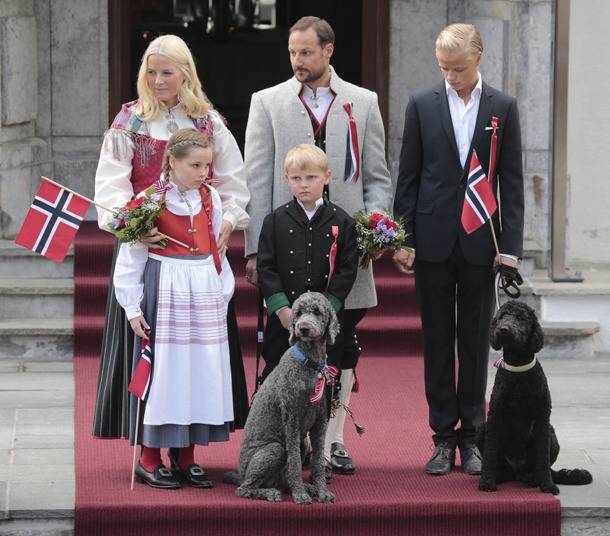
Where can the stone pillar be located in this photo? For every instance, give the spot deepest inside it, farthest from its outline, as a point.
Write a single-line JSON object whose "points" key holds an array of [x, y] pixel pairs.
{"points": [[19, 148], [53, 98], [517, 38]]}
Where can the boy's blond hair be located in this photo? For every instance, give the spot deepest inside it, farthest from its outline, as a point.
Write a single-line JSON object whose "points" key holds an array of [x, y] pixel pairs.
{"points": [[304, 156], [460, 36]]}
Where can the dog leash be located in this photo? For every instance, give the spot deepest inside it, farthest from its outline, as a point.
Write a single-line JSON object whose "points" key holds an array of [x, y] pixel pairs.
{"points": [[260, 330]]}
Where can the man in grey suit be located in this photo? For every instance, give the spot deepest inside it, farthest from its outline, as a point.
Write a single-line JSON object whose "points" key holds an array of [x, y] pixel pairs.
{"points": [[318, 107]]}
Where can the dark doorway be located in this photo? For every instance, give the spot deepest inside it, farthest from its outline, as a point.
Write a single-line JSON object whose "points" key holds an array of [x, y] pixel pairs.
{"points": [[241, 46]]}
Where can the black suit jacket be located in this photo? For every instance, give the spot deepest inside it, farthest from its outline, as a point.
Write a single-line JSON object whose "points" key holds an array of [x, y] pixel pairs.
{"points": [[431, 181]]}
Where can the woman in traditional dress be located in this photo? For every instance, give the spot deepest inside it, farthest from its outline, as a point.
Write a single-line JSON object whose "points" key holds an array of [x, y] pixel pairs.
{"points": [[169, 97]]}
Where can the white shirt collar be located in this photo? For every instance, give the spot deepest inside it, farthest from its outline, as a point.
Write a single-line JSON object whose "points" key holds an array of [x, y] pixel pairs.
{"points": [[320, 92], [476, 91], [310, 213]]}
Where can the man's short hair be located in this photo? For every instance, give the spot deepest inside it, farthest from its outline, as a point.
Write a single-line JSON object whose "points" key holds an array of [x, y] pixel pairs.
{"points": [[304, 156], [459, 37], [321, 27]]}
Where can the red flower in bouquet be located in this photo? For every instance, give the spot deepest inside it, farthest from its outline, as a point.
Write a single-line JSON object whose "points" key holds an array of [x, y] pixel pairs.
{"points": [[136, 203], [374, 219]]}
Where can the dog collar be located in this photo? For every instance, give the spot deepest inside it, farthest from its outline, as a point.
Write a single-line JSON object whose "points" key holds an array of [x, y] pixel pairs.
{"points": [[512, 368], [298, 353]]}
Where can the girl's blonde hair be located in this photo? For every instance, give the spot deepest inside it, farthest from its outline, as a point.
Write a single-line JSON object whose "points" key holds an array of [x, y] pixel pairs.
{"points": [[459, 37], [304, 156], [180, 144], [191, 96]]}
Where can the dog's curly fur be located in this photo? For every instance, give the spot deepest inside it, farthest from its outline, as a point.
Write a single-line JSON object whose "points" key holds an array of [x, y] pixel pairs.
{"points": [[518, 441], [282, 415]]}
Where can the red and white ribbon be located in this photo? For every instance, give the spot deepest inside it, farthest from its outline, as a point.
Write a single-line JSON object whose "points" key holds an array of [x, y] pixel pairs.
{"points": [[492, 149], [328, 374], [332, 255], [352, 157]]}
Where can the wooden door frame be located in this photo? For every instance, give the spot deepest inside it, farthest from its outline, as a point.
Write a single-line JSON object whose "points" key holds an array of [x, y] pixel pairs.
{"points": [[375, 53]]}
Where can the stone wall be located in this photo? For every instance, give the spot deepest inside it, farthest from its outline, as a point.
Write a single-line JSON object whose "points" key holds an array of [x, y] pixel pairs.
{"points": [[588, 136], [53, 98], [517, 38]]}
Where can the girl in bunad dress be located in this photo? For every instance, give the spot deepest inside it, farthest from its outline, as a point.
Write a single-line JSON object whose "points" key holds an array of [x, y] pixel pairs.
{"points": [[170, 97], [178, 299]]}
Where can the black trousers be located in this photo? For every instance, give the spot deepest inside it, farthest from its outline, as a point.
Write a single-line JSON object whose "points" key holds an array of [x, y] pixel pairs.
{"points": [[455, 297], [344, 353]]}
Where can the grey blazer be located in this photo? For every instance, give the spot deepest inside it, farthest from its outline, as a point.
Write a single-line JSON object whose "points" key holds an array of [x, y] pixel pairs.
{"points": [[278, 121]]}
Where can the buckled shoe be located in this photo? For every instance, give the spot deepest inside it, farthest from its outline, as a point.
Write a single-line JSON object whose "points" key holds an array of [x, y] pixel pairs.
{"points": [[161, 477], [340, 460]]}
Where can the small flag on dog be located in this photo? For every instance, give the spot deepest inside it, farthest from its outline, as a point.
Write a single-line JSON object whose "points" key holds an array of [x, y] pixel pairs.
{"points": [[479, 201], [140, 381], [52, 221]]}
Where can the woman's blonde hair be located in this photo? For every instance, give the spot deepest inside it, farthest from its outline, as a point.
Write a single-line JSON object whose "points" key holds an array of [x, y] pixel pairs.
{"points": [[180, 144], [304, 156], [459, 37], [191, 96]]}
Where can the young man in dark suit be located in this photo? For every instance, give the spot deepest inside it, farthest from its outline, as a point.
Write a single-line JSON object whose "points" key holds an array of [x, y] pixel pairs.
{"points": [[454, 271]]}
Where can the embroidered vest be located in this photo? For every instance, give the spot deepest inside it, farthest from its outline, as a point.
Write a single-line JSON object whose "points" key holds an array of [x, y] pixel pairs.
{"points": [[197, 237]]}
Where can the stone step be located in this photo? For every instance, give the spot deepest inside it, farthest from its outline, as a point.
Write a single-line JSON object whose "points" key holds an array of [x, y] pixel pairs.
{"points": [[37, 339], [573, 340], [36, 298], [19, 262]]}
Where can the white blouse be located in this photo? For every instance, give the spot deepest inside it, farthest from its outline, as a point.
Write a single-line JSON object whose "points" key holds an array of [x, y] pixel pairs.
{"points": [[113, 187], [131, 260]]}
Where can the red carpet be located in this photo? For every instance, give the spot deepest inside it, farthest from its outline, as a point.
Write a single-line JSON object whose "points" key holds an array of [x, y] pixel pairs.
{"points": [[389, 494]]}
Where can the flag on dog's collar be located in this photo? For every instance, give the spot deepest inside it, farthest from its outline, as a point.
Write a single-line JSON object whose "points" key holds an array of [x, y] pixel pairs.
{"points": [[325, 374], [500, 363]]}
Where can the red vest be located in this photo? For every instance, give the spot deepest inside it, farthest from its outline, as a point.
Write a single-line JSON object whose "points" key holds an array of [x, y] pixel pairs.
{"points": [[200, 237]]}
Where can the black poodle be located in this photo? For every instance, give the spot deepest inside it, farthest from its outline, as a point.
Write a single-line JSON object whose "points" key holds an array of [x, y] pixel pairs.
{"points": [[518, 441]]}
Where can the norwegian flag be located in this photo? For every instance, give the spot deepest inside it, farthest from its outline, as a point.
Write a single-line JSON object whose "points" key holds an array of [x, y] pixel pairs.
{"points": [[52, 221], [140, 381], [352, 153], [479, 201]]}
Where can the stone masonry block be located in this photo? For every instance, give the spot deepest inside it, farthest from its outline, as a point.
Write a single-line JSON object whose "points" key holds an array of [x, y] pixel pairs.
{"points": [[15, 196], [19, 70]]}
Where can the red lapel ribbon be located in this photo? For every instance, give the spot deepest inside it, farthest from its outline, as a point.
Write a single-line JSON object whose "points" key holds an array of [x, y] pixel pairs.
{"points": [[352, 137], [332, 255]]}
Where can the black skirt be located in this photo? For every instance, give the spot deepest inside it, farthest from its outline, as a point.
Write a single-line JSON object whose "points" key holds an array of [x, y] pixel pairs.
{"points": [[111, 417]]}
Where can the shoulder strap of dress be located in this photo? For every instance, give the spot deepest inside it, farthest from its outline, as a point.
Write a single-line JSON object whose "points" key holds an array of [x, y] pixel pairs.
{"points": [[127, 118]]}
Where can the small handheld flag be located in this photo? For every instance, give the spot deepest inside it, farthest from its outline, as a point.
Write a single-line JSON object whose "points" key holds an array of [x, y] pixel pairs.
{"points": [[52, 221], [479, 201], [140, 381]]}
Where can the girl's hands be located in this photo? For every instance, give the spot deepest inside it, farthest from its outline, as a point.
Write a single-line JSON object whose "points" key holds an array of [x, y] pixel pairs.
{"points": [[151, 238], [285, 316], [139, 326]]}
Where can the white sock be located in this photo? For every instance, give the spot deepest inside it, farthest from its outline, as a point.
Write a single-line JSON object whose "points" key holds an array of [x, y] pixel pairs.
{"points": [[334, 430]]}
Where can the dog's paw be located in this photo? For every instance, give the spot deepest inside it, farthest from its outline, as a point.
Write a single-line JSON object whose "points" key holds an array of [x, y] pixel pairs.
{"points": [[486, 485], [549, 487], [301, 498], [274, 495], [326, 496]]}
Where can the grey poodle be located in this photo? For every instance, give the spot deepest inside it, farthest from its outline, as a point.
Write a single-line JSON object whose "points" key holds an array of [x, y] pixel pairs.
{"points": [[518, 441], [283, 413]]}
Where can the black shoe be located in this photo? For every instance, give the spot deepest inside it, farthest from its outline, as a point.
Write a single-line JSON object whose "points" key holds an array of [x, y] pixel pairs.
{"points": [[194, 475], [161, 477], [340, 460], [442, 460], [471, 460]]}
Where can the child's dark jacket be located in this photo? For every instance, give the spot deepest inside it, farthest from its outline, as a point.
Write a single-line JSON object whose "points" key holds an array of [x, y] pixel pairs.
{"points": [[294, 255]]}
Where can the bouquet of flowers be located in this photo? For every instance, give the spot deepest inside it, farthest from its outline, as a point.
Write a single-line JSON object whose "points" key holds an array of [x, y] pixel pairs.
{"points": [[376, 232], [139, 215]]}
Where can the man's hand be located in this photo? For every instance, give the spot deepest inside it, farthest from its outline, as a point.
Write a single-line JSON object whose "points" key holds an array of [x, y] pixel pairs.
{"points": [[139, 326], [151, 238], [223, 239], [285, 316], [375, 254], [404, 259], [251, 273], [501, 259]]}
